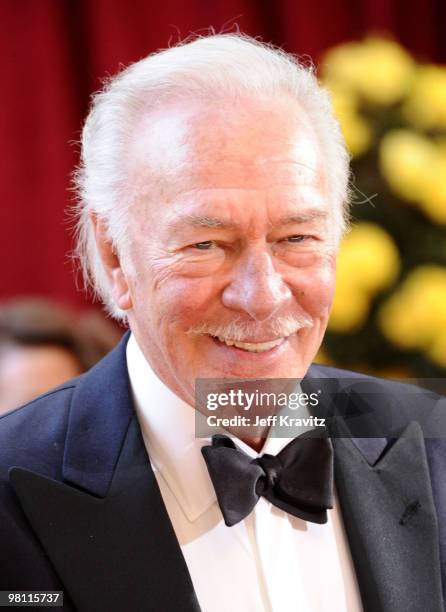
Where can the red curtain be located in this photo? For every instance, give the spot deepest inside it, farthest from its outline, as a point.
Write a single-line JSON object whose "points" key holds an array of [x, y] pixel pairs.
{"points": [[54, 53]]}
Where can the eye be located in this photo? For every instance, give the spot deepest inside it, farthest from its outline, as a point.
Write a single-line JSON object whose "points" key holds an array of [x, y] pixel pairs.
{"points": [[204, 246], [297, 238]]}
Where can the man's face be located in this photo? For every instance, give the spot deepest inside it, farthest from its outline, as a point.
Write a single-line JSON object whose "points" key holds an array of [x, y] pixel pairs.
{"points": [[232, 243], [28, 371]]}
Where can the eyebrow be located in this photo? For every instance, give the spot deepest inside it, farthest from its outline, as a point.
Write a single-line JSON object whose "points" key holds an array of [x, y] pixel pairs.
{"points": [[205, 221], [218, 223], [303, 217]]}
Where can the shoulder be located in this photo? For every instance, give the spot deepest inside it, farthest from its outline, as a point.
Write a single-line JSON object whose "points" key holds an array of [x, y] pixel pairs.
{"points": [[84, 416], [390, 401], [32, 436], [350, 380]]}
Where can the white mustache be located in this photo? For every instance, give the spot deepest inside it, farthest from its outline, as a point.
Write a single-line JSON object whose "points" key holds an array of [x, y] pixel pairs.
{"points": [[238, 330]]}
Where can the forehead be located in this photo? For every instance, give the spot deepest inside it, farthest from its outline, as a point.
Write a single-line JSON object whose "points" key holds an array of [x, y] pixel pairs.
{"points": [[245, 145]]}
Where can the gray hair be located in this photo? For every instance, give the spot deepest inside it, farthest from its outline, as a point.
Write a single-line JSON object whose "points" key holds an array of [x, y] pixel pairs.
{"points": [[229, 65]]}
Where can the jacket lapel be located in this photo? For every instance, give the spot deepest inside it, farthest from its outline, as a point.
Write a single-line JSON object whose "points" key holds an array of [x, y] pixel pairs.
{"points": [[390, 520], [109, 536], [385, 494]]}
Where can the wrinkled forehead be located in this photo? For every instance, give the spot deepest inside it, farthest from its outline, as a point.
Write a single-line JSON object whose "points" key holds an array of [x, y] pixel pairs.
{"points": [[230, 145]]}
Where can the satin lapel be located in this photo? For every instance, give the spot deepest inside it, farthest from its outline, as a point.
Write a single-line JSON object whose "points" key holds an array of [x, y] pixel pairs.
{"points": [[101, 410], [391, 522], [116, 553]]}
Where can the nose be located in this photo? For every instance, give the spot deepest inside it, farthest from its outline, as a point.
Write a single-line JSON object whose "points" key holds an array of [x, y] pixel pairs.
{"points": [[256, 288]]}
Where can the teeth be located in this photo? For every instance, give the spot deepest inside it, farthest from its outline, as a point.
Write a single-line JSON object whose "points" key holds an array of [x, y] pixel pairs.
{"points": [[254, 347]]}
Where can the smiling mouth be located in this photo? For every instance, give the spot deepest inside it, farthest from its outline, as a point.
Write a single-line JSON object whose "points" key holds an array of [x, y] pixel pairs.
{"points": [[250, 347]]}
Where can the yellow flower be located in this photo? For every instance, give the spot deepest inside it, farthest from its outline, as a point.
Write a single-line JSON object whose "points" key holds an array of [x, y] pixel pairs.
{"points": [[380, 70], [415, 169], [350, 309], [343, 98], [398, 323], [415, 315], [356, 130], [406, 161], [342, 64], [368, 257], [426, 104], [357, 133], [441, 144], [368, 262], [433, 200], [426, 287]]}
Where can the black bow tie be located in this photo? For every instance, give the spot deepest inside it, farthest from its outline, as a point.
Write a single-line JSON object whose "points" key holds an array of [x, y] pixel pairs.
{"points": [[298, 480]]}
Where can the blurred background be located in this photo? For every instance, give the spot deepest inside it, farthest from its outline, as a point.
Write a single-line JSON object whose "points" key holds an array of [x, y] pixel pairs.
{"points": [[384, 63]]}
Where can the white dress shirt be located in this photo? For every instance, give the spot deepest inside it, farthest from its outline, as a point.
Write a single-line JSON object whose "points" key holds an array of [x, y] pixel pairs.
{"points": [[271, 561]]}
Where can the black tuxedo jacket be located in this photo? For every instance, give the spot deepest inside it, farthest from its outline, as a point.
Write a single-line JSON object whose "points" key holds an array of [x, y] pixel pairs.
{"points": [[80, 509]]}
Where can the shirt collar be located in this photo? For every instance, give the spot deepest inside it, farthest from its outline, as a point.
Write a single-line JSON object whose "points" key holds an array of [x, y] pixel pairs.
{"points": [[168, 429]]}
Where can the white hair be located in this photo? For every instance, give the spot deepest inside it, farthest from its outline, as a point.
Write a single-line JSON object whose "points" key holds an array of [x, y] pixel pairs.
{"points": [[217, 66]]}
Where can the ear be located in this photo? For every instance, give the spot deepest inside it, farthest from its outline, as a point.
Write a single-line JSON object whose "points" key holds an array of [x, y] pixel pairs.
{"points": [[110, 261]]}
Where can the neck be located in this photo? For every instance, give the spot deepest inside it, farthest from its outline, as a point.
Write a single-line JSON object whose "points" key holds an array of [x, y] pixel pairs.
{"points": [[255, 443]]}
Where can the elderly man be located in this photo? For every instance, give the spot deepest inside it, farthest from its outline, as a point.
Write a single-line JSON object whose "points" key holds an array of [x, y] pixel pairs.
{"points": [[213, 188]]}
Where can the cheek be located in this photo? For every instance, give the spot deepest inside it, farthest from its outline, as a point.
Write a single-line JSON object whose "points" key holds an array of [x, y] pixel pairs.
{"points": [[314, 290], [182, 301]]}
